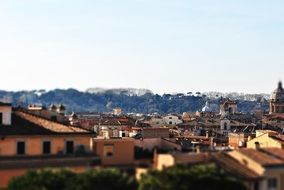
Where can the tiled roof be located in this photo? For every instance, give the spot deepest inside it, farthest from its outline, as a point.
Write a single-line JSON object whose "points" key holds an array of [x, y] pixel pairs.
{"points": [[279, 138], [233, 166], [265, 157], [50, 125], [26, 124], [275, 152]]}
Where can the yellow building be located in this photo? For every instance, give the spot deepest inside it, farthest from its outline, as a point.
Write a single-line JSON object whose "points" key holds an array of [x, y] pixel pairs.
{"points": [[267, 163], [261, 169], [162, 161], [266, 139], [30, 142]]}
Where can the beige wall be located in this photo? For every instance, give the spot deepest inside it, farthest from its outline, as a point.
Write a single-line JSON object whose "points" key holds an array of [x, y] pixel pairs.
{"points": [[277, 173], [171, 120], [8, 146], [122, 151], [6, 111], [264, 142], [162, 161]]}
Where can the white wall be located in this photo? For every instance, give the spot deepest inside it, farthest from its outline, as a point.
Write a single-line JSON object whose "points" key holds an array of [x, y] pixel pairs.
{"points": [[171, 120]]}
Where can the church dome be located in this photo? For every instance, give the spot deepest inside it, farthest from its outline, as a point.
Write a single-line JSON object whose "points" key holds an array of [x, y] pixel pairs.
{"points": [[278, 94], [206, 108]]}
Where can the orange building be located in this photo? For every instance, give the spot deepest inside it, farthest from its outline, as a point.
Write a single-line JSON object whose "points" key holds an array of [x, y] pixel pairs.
{"points": [[115, 151], [30, 142]]}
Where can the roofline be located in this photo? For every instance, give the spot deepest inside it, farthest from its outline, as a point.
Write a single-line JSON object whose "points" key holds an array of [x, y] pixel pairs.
{"points": [[51, 134], [5, 104]]}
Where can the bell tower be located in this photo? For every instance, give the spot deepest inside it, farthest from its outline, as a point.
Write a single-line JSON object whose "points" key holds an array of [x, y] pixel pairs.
{"points": [[276, 103]]}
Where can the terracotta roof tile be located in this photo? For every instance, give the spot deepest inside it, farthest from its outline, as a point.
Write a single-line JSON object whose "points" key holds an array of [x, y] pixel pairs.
{"points": [[264, 157], [233, 166], [50, 125]]}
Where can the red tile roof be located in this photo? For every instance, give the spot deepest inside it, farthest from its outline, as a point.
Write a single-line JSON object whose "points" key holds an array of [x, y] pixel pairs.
{"points": [[265, 157], [233, 166], [50, 125]]}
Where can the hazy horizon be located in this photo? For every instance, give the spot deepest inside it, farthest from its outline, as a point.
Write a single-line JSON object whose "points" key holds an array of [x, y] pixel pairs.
{"points": [[162, 45], [120, 88]]}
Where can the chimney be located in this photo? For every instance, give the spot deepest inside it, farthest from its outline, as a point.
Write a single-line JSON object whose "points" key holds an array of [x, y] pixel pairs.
{"points": [[257, 145], [5, 114]]}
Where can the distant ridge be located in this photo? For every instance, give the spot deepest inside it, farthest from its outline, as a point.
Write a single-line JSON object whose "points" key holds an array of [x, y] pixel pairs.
{"points": [[125, 91], [133, 100]]}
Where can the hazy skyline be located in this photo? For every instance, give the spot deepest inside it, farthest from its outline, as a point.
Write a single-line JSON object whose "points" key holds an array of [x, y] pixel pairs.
{"points": [[161, 45]]}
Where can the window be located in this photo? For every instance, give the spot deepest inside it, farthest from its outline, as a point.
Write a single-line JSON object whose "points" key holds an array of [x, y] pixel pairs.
{"points": [[170, 122], [69, 147], [21, 148], [230, 110], [46, 147], [1, 118], [108, 150], [256, 186], [272, 183], [225, 126]]}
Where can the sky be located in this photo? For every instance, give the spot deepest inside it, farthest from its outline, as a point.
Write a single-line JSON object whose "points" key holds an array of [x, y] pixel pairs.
{"points": [[162, 45]]}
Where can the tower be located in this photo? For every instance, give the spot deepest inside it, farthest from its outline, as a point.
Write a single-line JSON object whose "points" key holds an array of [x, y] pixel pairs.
{"points": [[276, 102]]}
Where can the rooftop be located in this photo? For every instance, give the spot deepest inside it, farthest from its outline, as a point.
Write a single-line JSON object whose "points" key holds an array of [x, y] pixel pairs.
{"points": [[27, 124], [265, 157], [233, 166]]}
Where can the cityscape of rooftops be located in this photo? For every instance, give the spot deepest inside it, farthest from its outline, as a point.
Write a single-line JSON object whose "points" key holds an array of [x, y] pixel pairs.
{"points": [[141, 95]]}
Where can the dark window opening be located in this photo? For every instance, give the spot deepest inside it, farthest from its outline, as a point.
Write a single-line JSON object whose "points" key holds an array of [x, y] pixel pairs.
{"points": [[256, 186], [225, 126], [1, 118], [230, 110], [46, 147], [109, 154], [21, 148], [69, 147], [53, 118], [272, 183]]}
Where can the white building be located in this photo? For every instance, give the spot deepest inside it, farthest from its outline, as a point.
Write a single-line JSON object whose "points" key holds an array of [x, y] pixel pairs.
{"points": [[171, 120]]}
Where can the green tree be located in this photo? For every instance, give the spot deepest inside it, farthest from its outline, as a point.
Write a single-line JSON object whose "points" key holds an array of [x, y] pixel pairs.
{"points": [[43, 180], [100, 179], [198, 177], [106, 179]]}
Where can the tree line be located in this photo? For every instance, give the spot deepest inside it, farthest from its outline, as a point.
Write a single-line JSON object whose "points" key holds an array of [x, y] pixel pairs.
{"points": [[180, 177]]}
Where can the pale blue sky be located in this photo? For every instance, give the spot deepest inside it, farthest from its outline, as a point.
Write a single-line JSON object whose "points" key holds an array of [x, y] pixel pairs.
{"points": [[163, 45]]}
